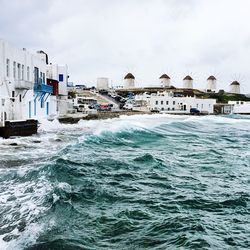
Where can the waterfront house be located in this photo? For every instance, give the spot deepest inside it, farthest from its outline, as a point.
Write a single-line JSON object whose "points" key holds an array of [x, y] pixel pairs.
{"points": [[57, 77], [240, 107], [168, 102], [25, 94], [23, 87]]}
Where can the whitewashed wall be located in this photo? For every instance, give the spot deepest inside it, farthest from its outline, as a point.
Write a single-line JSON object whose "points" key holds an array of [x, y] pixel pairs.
{"points": [[165, 102], [20, 103]]}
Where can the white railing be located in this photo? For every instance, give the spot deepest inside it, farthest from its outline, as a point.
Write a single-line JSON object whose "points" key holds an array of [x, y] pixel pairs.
{"points": [[23, 84]]}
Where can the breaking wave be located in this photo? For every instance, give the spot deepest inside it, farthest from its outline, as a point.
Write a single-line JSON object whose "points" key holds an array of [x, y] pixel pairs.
{"points": [[135, 182]]}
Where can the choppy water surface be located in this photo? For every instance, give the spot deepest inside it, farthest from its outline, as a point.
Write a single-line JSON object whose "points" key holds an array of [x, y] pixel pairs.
{"points": [[139, 182]]}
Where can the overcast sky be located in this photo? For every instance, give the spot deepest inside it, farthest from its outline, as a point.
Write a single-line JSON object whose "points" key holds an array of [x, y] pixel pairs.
{"points": [[108, 38]]}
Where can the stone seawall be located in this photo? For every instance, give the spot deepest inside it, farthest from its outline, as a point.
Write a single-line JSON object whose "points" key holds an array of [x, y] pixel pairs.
{"points": [[71, 119]]}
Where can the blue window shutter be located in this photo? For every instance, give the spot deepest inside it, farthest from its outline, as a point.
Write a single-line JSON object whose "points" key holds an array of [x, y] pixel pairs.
{"points": [[60, 77]]}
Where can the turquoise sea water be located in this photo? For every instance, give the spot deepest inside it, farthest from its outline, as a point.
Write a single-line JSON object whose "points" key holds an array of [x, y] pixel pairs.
{"points": [[139, 182]]}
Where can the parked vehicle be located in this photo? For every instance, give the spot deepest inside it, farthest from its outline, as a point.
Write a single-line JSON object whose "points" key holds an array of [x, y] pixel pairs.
{"points": [[128, 106], [104, 107], [194, 111], [103, 92], [155, 111]]}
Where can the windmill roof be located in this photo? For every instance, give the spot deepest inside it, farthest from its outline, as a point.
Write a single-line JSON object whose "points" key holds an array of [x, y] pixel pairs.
{"points": [[235, 83], [188, 78], [165, 76], [211, 78], [129, 76]]}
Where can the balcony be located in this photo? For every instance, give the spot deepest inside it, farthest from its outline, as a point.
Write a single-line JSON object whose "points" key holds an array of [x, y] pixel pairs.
{"points": [[54, 84], [43, 88], [22, 84]]}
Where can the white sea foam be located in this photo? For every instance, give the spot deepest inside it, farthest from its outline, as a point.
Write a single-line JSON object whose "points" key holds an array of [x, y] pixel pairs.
{"points": [[24, 201], [135, 122]]}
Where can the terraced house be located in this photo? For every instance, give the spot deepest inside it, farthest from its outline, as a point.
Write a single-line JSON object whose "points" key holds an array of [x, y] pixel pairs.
{"points": [[25, 93]]}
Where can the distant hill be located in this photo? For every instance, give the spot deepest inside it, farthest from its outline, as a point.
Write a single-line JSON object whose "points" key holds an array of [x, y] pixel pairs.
{"points": [[224, 97]]}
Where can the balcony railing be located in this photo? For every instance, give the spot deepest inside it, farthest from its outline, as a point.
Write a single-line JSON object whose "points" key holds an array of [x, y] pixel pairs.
{"points": [[22, 84], [41, 87]]}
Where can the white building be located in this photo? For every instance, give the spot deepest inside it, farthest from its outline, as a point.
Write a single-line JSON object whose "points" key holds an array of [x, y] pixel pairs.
{"points": [[129, 81], [24, 93], [235, 87], [240, 107], [60, 74], [211, 84], [102, 83], [165, 81], [167, 102], [188, 82]]}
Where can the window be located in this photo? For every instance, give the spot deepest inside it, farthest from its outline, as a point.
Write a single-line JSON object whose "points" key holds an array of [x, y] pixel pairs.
{"points": [[7, 67], [173, 102], [22, 72], [172, 108], [44, 77], [60, 77], [13, 96], [14, 70], [28, 73], [166, 102], [36, 75], [18, 71], [41, 77], [156, 102], [161, 102], [20, 98]]}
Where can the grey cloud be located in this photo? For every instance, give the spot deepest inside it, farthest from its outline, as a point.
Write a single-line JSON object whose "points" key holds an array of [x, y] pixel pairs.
{"points": [[108, 38]]}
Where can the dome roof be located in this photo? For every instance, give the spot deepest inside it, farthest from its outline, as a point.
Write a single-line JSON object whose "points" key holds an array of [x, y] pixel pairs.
{"points": [[129, 76], [188, 78], [235, 83], [211, 78], [164, 76]]}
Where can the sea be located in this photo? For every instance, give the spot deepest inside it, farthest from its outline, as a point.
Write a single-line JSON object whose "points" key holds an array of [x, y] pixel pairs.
{"points": [[134, 182]]}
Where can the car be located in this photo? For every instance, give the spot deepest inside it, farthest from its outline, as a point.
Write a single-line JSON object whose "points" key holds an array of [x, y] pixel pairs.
{"points": [[194, 111], [155, 111], [104, 107]]}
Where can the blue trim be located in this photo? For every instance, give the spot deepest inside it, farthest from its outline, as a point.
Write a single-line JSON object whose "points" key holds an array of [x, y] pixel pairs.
{"points": [[43, 88], [35, 107], [47, 98], [47, 108], [29, 109]]}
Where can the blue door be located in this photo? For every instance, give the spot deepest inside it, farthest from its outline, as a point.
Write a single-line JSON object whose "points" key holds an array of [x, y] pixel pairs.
{"points": [[29, 109], [34, 107], [47, 108]]}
